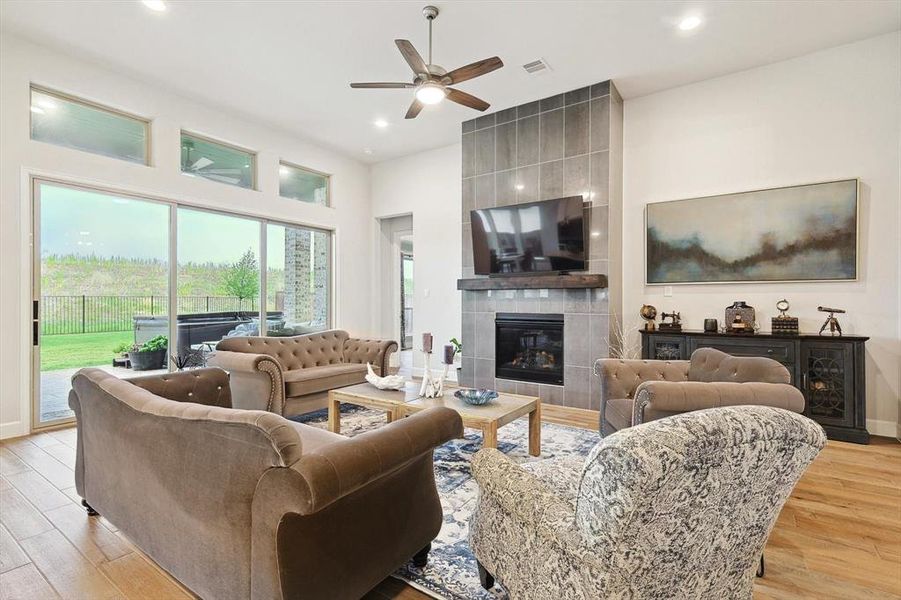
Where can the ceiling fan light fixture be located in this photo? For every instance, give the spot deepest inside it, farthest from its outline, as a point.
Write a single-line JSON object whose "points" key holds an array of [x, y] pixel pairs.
{"points": [[430, 93]]}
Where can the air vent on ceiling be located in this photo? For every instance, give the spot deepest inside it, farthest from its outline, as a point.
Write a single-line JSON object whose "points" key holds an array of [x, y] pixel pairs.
{"points": [[536, 66]]}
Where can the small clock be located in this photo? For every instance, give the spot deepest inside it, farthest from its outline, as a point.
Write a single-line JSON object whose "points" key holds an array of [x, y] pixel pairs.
{"points": [[783, 306]]}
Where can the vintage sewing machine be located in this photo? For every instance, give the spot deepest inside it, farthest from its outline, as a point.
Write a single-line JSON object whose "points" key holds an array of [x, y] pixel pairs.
{"points": [[675, 323]]}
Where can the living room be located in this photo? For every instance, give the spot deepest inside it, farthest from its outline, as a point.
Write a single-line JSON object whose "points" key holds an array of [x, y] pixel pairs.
{"points": [[276, 331]]}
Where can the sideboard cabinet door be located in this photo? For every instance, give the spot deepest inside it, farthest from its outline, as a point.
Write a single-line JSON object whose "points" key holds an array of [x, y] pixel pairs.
{"points": [[827, 380], [665, 347]]}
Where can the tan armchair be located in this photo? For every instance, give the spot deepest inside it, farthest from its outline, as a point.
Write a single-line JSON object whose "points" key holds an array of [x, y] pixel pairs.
{"points": [[245, 504], [292, 375], [638, 391]]}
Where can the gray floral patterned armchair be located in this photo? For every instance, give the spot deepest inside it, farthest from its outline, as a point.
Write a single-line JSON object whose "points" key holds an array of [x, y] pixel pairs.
{"points": [[677, 508]]}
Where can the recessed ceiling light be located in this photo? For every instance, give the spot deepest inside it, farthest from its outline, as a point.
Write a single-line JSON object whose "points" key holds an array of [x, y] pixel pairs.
{"points": [[595, 234], [689, 23], [367, 150], [154, 5], [520, 186], [380, 123]]}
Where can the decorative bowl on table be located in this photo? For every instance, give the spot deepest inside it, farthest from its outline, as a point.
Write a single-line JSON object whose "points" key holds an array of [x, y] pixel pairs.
{"points": [[475, 397]]}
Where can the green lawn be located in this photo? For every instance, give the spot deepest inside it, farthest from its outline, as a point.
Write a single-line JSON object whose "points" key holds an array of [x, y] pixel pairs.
{"points": [[80, 349]]}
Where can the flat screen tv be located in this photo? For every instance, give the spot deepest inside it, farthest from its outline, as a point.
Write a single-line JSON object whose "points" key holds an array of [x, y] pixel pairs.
{"points": [[537, 237]]}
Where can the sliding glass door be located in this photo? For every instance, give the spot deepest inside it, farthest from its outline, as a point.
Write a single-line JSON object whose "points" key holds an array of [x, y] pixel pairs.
{"points": [[218, 281], [105, 275], [101, 274]]}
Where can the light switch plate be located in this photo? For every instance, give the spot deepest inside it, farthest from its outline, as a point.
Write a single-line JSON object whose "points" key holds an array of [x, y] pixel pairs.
{"points": [[667, 291]]}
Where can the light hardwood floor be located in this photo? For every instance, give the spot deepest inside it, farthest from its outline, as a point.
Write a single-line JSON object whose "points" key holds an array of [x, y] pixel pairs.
{"points": [[839, 536]]}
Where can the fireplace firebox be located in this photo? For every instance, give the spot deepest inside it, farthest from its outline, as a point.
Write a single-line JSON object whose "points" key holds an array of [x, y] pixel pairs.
{"points": [[529, 347]]}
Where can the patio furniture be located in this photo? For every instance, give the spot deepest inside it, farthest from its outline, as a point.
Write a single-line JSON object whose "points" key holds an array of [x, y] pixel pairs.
{"points": [[194, 329]]}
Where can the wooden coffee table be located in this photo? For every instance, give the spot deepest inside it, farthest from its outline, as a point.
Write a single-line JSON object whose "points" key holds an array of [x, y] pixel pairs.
{"points": [[504, 409]]}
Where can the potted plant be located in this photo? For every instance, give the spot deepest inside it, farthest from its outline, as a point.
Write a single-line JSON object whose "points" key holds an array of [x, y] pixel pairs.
{"points": [[458, 351], [149, 355], [121, 354]]}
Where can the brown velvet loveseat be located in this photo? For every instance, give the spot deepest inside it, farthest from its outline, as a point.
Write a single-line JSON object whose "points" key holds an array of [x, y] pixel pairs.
{"points": [[292, 375], [244, 504], [638, 391]]}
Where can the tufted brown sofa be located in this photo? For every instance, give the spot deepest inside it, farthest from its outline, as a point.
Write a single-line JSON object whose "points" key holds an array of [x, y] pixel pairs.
{"points": [[245, 504], [292, 375], [638, 391]]}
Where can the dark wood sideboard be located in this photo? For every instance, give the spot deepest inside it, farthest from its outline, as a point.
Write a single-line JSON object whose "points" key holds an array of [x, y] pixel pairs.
{"points": [[829, 370]]}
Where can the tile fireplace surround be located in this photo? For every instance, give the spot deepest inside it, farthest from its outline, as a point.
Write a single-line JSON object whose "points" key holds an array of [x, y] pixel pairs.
{"points": [[565, 145]]}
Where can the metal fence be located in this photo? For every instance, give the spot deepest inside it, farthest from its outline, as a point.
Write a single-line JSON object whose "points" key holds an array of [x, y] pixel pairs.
{"points": [[100, 314]]}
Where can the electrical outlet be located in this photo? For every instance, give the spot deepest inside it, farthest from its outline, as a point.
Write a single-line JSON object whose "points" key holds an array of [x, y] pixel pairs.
{"points": [[667, 291]]}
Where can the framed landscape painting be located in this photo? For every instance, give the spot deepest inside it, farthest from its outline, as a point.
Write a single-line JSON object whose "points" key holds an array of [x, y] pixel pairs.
{"points": [[797, 233]]}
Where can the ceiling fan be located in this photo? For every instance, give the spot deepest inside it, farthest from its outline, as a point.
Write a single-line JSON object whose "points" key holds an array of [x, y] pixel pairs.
{"points": [[200, 166], [431, 81]]}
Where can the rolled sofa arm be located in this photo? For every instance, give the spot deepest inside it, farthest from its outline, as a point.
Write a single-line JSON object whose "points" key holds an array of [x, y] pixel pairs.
{"points": [[336, 470], [364, 351], [202, 386], [391, 466], [256, 380], [521, 494], [620, 378], [685, 396]]}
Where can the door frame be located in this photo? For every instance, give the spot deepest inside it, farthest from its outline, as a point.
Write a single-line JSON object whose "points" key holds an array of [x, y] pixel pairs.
{"points": [[397, 280], [31, 182], [402, 323]]}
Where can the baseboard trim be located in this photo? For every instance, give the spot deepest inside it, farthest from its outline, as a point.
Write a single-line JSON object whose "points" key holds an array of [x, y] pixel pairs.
{"points": [[12, 429], [882, 428]]}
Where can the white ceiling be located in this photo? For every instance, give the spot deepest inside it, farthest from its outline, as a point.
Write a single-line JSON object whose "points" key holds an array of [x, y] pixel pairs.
{"points": [[288, 64]]}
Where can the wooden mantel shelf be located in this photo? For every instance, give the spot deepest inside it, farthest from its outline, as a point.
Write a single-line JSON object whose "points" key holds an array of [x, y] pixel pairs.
{"points": [[532, 282]]}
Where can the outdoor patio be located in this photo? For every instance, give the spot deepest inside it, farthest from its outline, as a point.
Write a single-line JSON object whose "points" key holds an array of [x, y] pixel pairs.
{"points": [[55, 386]]}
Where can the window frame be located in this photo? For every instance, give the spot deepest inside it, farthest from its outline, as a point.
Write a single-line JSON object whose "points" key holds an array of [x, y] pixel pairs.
{"points": [[328, 183], [67, 97], [254, 180]]}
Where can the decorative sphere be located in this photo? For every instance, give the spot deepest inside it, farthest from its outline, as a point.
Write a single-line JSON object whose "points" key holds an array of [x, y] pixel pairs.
{"points": [[648, 312]]}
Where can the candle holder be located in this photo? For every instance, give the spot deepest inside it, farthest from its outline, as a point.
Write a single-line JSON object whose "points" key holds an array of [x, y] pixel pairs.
{"points": [[432, 387]]}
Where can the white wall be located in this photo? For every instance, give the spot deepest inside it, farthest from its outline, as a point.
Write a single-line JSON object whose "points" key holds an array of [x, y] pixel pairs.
{"points": [[829, 115], [22, 62], [428, 186]]}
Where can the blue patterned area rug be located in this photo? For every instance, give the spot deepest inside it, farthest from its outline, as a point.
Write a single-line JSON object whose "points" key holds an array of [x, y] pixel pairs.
{"points": [[451, 572]]}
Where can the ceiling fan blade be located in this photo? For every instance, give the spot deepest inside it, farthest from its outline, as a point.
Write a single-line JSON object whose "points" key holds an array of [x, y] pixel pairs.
{"points": [[414, 109], [382, 85], [202, 162], [475, 69], [412, 57], [466, 99]]}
